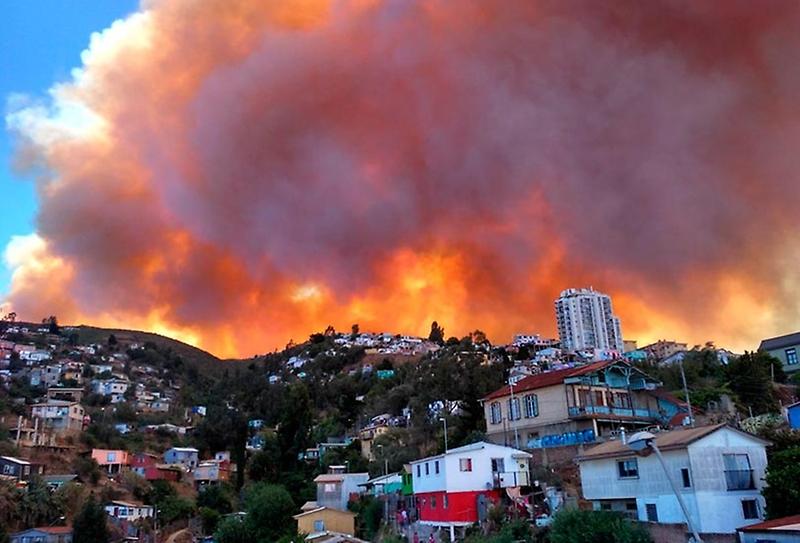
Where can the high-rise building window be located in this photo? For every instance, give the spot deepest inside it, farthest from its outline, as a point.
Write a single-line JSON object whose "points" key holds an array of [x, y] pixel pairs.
{"points": [[585, 320]]}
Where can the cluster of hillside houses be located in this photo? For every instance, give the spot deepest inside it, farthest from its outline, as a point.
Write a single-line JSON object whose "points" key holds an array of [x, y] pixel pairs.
{"points": [[587, 412]]}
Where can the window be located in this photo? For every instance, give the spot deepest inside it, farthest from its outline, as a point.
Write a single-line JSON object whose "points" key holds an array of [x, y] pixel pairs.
{"points": [[419, 470], [622, 400], [605, 506], [465, 464], [685, 477], [319, 525], [628, 469], [531, 406], [436, 467], [433, 502], [791, 356], [495, 414], [329, 487], [444, 501], [750, 509], [652, 512], [738, 474], [513, 409], [427, 469]]}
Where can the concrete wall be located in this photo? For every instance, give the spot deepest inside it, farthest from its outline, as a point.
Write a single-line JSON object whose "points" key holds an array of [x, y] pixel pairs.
{"points": [[334, 521], [712, 507]]}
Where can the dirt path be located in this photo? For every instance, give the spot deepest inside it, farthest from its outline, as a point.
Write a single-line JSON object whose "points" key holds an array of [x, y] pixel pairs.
{"points": [[181, 536]]}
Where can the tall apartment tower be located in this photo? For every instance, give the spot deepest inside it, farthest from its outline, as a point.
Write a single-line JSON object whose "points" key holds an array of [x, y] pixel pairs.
{"points": [[586, 319]]}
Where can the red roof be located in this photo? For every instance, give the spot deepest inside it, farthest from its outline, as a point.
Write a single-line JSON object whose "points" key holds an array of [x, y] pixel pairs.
{"points": [[549, 378], [787, 523]]}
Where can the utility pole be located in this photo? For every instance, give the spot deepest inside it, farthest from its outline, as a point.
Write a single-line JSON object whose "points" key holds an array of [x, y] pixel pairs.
{"points": [[676, 492], [686, 393], [511, 414]]}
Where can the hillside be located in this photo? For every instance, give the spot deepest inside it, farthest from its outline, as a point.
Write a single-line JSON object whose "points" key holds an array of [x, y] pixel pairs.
{"points": [[94, 334]]}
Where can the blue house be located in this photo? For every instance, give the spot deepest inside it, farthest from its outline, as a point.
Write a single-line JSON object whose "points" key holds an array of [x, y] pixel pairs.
{"points": [[793, 414]]}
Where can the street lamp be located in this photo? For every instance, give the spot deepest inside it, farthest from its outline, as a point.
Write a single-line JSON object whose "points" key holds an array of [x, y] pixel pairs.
{"points": [[62, 518], [640, 441], [444, 421]]}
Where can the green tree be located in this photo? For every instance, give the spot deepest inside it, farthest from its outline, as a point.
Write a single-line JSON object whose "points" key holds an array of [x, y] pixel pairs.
{"points": [[216, 497], [369, 512], [749, 378], [577, 526], [90, 524], [209, 518], [9, 501], [37, 506], [233, 530], [295, 423], [437, 333], [782, 492], [269, 511], [265, 464]]}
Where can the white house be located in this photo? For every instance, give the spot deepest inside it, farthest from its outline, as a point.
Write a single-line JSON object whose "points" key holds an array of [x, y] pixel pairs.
{"points": [[115, 388], [456, 488], [719, 471], [129, 511]]}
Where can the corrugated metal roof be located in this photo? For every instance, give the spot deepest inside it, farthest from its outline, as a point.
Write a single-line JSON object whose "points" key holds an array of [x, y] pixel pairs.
{"points": [[329, 478], [549, 378], [675, 439], [789, 524]]}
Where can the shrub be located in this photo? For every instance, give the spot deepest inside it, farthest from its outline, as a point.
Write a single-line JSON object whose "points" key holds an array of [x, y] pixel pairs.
{"points": [[577, 526]]}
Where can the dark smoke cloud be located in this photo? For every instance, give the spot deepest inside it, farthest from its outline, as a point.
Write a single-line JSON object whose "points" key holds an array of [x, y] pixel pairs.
{"points": [[256, 171]]}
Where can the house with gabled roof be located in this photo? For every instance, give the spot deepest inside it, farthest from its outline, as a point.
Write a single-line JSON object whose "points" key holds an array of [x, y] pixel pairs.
{"points": [[786, 349], [574, 405], [719, 471], [44, 534], [779, 530]]}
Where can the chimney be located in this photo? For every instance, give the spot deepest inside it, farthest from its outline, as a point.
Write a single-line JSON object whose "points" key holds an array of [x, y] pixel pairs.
{"points": [[622, 435]]}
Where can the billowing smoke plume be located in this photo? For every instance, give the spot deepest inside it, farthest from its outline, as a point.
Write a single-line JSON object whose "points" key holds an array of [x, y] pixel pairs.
{"points": [[242, 172]]}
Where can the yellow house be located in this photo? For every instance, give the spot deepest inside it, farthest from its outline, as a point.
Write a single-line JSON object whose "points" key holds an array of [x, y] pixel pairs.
{"points": [[324, 519]]}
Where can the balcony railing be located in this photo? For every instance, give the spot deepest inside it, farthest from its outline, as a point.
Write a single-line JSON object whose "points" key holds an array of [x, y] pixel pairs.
{"points": [[509, 479], [577, 411], [739, 479]]}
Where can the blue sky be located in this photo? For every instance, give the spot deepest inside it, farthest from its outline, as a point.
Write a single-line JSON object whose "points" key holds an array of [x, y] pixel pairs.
{"points": [[41, 41]]}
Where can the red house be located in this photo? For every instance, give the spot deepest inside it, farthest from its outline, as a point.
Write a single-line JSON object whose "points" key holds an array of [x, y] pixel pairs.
{"points": [[456, 488], [147, 465]]}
